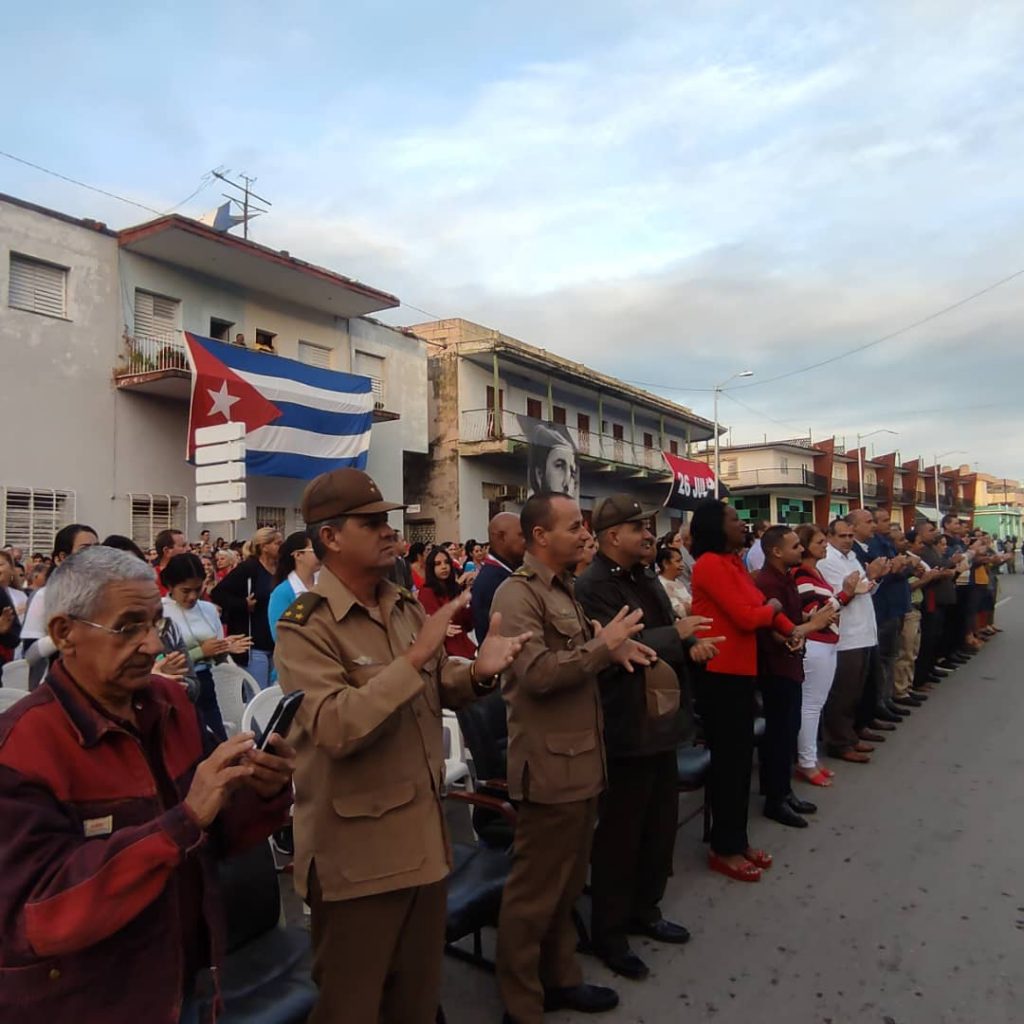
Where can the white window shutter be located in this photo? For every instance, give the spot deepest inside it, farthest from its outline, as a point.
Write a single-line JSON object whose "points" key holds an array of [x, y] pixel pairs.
{"points": [[37, 287], [314, 355], [156, 318]]}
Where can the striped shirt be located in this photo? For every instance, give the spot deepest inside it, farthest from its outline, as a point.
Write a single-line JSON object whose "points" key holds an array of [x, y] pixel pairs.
{"points": [[815, 593]]}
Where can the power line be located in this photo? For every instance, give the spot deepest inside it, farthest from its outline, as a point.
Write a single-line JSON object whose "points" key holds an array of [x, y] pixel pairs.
{"points": [[757, 412], [204, 183]]}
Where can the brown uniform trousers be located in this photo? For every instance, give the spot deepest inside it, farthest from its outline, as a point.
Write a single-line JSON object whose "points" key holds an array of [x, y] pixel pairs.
{"points": [[556, 769], [371, 848]]}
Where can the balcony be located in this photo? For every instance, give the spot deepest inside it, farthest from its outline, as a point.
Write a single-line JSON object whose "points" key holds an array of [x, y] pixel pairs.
{"points": [[156, 366], [776, 478], [482, 433], [840, 485]]}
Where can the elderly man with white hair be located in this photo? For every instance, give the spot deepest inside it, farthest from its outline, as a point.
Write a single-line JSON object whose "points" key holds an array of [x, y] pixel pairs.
{"points": [[113, 810]]}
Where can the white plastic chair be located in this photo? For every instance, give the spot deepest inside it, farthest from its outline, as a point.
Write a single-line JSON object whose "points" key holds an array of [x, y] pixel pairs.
{"points": [[455, 767], [8, 697], [234, 687], [15, 675], [258, 711]]}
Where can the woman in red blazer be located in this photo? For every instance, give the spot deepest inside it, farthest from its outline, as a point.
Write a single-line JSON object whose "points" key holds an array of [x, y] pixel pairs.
{"points": [[724, 591], [440, 587]]}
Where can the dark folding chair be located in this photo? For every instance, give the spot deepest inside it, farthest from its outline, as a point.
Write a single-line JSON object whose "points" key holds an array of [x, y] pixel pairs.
{"points": [[692, 766], [266, 977]]}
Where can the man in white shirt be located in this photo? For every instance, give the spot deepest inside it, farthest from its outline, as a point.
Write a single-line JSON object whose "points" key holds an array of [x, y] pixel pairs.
{"points": [[754, 559], [858, 633]]}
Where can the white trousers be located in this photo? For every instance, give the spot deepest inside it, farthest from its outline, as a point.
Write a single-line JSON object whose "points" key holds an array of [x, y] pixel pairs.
{"points": [[819, 671]]}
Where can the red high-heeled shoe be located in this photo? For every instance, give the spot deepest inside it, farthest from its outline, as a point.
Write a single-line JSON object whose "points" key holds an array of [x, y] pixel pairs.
{"points": [[745, 872], [760, 858]]}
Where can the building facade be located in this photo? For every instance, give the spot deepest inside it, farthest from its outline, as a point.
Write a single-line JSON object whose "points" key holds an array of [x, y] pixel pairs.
{"points": [[490, 396], [92, 323]]}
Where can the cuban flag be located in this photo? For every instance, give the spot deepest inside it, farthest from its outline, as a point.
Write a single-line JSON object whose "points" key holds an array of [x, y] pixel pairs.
{"points": [[300, 421]]}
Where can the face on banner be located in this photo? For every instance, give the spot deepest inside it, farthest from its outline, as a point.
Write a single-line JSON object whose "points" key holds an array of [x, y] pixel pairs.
{"points": [[552, 463]]}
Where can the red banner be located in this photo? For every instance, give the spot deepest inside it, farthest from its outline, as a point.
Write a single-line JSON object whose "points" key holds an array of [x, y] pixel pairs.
{"points": [[693, 481]]}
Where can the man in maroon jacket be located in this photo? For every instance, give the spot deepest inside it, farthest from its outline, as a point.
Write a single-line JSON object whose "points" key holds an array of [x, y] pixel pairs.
{"points": [[111, 816]]}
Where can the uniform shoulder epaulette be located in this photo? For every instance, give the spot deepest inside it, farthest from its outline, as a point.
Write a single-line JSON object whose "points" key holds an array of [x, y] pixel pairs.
{"points": [[301, 608], [525, 572]]}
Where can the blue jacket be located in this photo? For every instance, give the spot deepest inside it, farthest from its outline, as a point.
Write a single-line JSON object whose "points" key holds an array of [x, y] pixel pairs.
{"points": [[488, 580], [892, 597]]}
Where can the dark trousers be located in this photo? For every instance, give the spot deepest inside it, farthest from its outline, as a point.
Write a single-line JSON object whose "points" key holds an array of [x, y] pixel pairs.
{"points": [[536, 935], [955, 625], [871, 691], [377, 959], [840, 712], [781, 703], [931, 640], [727, 707], [631, 859]]}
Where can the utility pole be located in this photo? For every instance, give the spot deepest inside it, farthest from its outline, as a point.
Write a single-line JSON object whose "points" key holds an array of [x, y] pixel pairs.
{"points": [[249, 210]]}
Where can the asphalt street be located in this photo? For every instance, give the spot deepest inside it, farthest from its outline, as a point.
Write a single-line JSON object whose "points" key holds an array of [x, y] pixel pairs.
{"points": [[903, 903]]}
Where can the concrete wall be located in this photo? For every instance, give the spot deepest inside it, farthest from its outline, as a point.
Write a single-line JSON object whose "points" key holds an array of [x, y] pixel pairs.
{"points": [[59, 410]]}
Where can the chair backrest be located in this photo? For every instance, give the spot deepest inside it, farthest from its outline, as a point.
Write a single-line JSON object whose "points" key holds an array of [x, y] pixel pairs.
{"points": [[258, 711], [15, 675], [9, 697], [485, 730], [234, 686], [251, 895]]}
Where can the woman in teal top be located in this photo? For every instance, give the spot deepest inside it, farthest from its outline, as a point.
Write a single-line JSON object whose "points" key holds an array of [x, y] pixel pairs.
{"points": [[297, 566]]}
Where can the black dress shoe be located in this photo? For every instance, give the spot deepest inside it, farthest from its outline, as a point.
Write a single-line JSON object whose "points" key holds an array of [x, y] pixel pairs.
{"points": [[899, 711], [626, 963], [581, 998], [784, 815], [908, 701], [661, 931], [880, 726], [888, 716], [801, 806]]}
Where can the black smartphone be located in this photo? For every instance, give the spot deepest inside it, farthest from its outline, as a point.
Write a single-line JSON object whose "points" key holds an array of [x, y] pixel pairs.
{"points": [[281, 720]]}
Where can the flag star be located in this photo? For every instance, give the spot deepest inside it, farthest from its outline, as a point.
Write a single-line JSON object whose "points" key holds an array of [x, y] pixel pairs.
{"points": [[222, 401]]}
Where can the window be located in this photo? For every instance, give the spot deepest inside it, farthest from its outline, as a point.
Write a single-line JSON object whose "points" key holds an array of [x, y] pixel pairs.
{"points": [[533, 408], [618, 431], [423, 531], [673, 447], [151, 513], [270, 515], [729, 468], [582, 423], [265, 340], [220, 330], [784, 465], [558, 414], [648, 440], [369, 365], [33, 515], [37, 287], [157, 318], [314, 355]]}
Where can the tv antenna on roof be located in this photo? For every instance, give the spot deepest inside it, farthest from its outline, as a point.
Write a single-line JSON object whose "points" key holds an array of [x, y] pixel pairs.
{"points": [[222, 219]]}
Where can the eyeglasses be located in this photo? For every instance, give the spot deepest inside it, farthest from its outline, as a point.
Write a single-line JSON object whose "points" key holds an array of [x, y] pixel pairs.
{"points": [[133, 632]]}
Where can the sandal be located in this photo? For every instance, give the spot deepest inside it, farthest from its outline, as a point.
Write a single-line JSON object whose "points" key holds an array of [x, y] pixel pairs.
{"points": [[759, 858], [826, 771], [815, 778]]}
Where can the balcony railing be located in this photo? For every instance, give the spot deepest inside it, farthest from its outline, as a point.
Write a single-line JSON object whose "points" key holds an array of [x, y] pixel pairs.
{"points": [[150, 355], [840, 485], [478, 425], [777, 476]]}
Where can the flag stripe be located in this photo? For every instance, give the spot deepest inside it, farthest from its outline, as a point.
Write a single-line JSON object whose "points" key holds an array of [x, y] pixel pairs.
{"points": [[320, 422], [277, 390], [305, 442], [245, 361], [302, 467]]}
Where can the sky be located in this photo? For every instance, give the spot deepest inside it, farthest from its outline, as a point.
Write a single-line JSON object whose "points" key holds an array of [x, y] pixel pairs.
{"points": [[669, 192]]}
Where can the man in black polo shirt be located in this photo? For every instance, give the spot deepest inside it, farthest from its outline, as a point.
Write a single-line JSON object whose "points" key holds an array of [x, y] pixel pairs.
{"points": [[646, 716]]}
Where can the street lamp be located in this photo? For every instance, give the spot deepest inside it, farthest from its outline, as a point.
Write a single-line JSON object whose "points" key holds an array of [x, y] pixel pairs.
{"points": [[938, 510], [717, 389], [860, 457]]}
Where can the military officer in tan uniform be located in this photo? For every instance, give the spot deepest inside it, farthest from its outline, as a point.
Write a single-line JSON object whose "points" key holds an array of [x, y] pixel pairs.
{"points": [[556, 763], [372, 852]]}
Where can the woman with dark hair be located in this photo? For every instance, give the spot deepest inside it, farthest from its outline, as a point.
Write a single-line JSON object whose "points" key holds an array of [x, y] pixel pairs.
{"points": [[122, 543], [474, 556], [69, 540], [438, 589], [724, 592], [417, 559], [297, 566], [198, 625]]}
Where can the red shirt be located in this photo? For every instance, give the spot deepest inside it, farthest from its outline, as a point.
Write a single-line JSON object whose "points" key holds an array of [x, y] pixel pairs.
{"points": [[459, 646], [724, 591]]}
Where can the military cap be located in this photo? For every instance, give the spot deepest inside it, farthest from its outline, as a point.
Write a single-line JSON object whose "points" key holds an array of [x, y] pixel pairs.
{"points": [[343, 492], [617, 509]]}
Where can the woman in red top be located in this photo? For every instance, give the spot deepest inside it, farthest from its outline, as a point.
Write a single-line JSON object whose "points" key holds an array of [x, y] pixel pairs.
{"points": [[724, 591], [440, 587]]}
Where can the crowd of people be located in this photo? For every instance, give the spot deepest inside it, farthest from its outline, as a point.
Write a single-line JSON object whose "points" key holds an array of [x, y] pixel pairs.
{"points": [[610, 649]]}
